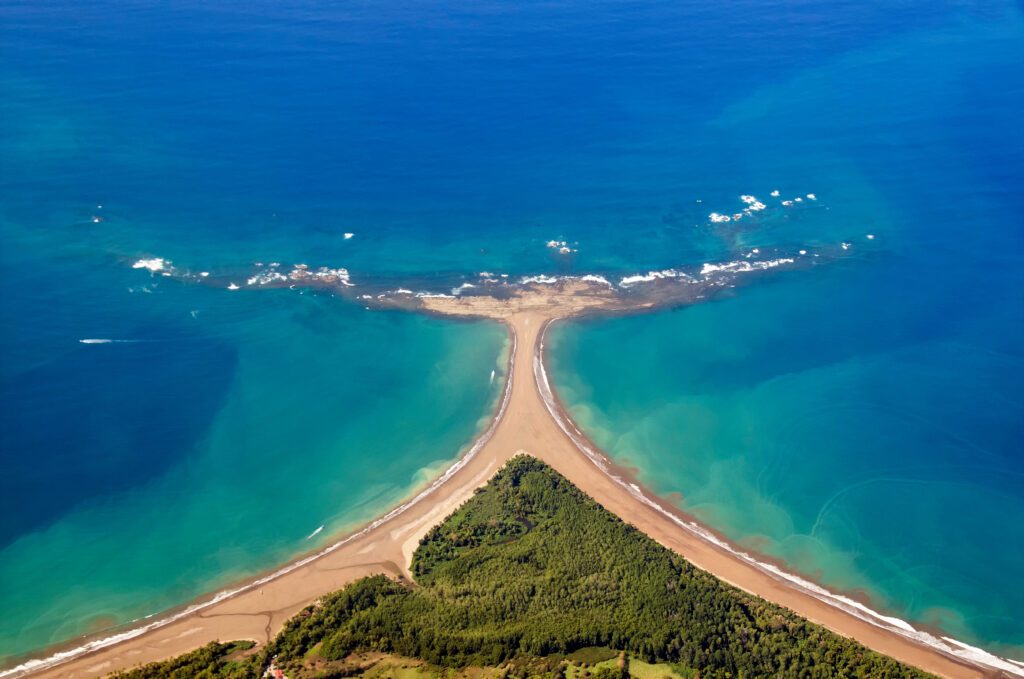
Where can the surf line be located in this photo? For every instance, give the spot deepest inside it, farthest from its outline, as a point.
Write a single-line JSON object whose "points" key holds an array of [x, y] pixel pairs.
{"points": [[952, 648], [61, 657]]}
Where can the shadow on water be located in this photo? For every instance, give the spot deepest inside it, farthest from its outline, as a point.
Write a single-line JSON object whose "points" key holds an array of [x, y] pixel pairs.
{"points": [[116, 416]]}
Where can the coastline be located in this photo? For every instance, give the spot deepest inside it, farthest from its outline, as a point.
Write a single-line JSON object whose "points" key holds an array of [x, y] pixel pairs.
{"points": [[776, 569], [64, 659], [529, 419]]}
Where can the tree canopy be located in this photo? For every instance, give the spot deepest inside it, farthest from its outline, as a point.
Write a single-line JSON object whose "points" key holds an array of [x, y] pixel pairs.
{"points": [[529, 571]]}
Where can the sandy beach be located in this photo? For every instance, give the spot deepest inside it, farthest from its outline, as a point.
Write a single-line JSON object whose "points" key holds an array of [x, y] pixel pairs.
{"points": [[523, 424]]}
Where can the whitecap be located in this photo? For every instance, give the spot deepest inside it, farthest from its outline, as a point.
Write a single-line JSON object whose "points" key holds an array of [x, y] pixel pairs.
{"points": [[153, 264], [741, 266], [594, 278], [541, 279], [753, 204], [266, 277], [627, 281]]}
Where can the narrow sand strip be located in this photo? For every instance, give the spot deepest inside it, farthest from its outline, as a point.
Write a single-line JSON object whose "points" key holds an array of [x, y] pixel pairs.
{"points": [[524, 423]]}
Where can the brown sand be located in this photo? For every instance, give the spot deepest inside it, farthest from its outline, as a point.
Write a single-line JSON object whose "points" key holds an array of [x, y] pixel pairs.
{"points": [[526, 426]]}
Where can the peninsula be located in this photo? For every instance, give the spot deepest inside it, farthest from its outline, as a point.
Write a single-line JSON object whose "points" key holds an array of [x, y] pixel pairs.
{"points": [[529, 420]]}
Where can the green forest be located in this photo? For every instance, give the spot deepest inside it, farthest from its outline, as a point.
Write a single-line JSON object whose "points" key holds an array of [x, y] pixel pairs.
{"points": [[532, 578]]}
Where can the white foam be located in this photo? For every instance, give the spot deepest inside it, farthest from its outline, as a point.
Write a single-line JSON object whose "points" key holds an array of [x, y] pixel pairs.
{"points": [[465, 286], [349, 235], [560, 245], [314, 533], [787, 203], [775, 193], [541, 279], [265, 277], [871, 236], [301, 272], [594, 278], [742, 266], [204, 274], [232, 286], [811, 196], [627, 281], [153, 264], [753, 204], [95, 341], [845, 246], [719, 219]]}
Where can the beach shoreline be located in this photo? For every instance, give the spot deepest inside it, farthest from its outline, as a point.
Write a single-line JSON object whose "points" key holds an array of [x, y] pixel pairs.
{"points": [[858, 605], [531, 420]]}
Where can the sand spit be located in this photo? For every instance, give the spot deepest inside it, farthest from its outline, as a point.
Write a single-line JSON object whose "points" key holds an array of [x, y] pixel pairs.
{"points": [[529, 420]]}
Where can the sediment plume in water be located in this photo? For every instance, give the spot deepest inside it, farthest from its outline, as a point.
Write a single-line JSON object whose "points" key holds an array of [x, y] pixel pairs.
{"points": [[528, 305]]}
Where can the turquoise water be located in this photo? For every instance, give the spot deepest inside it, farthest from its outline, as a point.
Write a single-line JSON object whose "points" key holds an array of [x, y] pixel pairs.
{"points": [[859, 420], [219, 442], [862, 425]]}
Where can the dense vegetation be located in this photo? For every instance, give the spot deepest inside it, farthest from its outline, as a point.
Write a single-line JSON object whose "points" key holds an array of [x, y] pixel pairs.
{"points": [[528, 572]]}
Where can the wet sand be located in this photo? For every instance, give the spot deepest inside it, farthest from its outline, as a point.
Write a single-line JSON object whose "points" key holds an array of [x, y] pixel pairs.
{"points": [[524, 424]]}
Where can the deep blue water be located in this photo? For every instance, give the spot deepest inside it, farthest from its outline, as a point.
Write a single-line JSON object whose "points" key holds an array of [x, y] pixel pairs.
{"points": [[457, 138]]}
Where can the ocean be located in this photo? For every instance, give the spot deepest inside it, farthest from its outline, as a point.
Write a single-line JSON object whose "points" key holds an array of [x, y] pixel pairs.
{"points": [[860, 422]]}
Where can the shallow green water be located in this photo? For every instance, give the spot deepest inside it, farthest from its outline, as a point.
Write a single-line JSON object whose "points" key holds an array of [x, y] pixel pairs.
{"points": [[307, 435], [877, 458]]}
